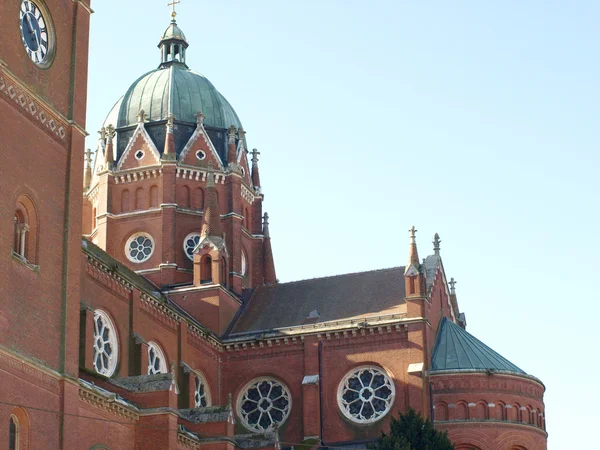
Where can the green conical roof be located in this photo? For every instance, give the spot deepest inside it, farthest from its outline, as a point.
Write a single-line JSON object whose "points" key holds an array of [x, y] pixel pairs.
{"points": [[179, 91], [455, 349]]}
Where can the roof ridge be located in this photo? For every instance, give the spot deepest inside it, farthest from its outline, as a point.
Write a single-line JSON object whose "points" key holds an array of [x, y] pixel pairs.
{"points": [[338, 275]]}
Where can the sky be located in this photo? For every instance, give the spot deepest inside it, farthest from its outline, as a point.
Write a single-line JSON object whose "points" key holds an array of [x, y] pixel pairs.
{"points": [[476, 120]]}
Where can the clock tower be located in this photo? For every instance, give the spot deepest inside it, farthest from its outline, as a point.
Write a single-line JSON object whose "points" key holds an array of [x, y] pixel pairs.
{"points": [[43, 85]]}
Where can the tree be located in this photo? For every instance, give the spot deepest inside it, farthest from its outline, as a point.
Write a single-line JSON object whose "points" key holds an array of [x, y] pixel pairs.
{"points": [[412, 432]]}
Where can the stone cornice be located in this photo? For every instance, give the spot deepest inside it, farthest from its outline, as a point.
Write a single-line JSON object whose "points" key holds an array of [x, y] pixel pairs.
{"points": [[489, 422], [486, 372], [108, 404]]}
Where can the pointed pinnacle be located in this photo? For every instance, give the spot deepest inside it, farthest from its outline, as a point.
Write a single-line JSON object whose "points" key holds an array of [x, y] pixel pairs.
{"points": [[436, 244]]}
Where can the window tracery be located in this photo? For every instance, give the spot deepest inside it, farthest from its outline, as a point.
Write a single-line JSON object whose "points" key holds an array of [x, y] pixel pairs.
{"points": [[201, 394], [190, 242], [157, 362], [366, 394], [139, 247], [263, 404], [106, 348]]}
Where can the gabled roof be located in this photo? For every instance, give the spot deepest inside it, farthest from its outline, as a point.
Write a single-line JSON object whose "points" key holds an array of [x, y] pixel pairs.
{"points": [[355, 295], [456, 349]]}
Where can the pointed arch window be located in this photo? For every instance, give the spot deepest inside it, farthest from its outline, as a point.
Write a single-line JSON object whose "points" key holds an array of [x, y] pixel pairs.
{"points": [[206, 269], [201, 392], [106, 348], [25, 230], [157, 362], [13, 437], [244, 268]]}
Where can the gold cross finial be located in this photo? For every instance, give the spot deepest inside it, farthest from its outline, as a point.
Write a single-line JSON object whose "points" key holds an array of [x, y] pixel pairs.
{"points": [[173, 4]]}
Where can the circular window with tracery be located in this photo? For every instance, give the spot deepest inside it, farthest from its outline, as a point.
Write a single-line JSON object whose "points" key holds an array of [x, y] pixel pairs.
{"points": [[263, 404], [201, 394], [190, 242], [106, 349], [157, 362], [366, 394], [139, 247]]}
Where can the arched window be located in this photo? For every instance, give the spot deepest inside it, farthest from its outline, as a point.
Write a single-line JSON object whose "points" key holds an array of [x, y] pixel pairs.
{"points": [[125, 201], [201, 391], [247, 218], [140, 199], [18, 430], [184, 197], [154, 196], [198, 202], [206, 269], [157, 362], [25, 243], [13, 440], [244, 268], [106, 347]]}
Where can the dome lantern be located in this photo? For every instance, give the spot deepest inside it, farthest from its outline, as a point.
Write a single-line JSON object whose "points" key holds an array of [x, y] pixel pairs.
{"points": [[173, 43]]}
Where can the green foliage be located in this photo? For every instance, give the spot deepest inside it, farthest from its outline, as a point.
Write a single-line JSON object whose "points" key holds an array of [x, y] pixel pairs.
{"points": [[412, 432]]}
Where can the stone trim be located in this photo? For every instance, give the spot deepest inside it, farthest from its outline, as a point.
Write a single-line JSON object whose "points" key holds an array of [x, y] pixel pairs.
{"points": [[33, 107], [107, 404]]}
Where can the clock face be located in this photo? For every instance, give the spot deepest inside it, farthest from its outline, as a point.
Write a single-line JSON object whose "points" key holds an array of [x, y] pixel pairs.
{"points": [[36, 33]]}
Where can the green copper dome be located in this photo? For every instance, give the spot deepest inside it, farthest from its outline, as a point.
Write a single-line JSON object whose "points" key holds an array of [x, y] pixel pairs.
{"points": [[176, 90]]}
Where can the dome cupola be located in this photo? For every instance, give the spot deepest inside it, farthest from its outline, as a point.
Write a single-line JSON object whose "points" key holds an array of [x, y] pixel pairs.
{"points": [[173, 45], [173, 90]]}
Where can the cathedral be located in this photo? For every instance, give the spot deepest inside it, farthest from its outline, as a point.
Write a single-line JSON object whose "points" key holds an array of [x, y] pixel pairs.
{"points": [[139, 302]]}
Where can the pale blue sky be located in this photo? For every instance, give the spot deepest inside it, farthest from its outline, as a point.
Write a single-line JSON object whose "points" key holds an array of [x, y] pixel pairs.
{"points": [[476, 120]]}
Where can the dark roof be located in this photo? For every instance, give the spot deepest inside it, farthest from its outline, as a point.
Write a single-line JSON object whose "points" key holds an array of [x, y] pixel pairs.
{"points": [[456, 349], [379, 292]]}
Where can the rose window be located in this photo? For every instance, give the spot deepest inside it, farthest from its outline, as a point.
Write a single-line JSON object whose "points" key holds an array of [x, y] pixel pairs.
{"points": [[263, 404], [190, 243], [105, 344], [139, 248], [366, 394], [200, 392], [156, 360]]}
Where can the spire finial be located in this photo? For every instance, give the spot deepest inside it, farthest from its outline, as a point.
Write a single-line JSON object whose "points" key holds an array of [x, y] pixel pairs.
{"points": [[142, 116], [255, 154], [110, 132], [174, 13], [200, 118], [452, 286], [413, 235], [232, 133], [88, 158], [436, 244], [102, 134], [266, 226]]}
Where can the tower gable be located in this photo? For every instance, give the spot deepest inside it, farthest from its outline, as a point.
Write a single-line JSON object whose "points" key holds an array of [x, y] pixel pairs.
{"points": [[200, 141], [140, 151]]}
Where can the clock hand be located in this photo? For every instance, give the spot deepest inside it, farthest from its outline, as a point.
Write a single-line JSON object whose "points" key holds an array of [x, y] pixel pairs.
{"points": [[33, 31], [29, 22]]}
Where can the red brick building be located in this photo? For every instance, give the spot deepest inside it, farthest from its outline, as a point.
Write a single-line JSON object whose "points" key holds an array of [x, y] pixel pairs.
{"points": [[165, 327]]}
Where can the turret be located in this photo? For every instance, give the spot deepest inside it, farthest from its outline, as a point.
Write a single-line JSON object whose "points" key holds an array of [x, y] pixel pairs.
{"points": [[413, 277], [268, 262]]}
